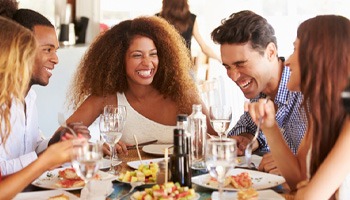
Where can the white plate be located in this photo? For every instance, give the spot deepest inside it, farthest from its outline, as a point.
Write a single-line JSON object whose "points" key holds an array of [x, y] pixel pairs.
{"points": [[43, 195], [262, 195], [106, 163], [260, 180], [255, 159], [157, 149], [196, 197], [135, 164], [49, 182]]}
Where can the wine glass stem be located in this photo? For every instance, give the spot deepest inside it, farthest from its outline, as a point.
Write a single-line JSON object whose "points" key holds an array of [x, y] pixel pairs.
{"points": [[88, 187], [111, 147], [220, 189]]}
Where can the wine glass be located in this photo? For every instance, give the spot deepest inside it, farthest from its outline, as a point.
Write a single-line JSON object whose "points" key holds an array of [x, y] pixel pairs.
{"points": [[111, 125], [86, 160], [220, 118], [220, 157]]}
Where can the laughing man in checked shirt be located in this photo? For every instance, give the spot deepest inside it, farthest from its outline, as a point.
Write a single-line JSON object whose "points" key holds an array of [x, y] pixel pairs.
{"points": [[249, 54]]}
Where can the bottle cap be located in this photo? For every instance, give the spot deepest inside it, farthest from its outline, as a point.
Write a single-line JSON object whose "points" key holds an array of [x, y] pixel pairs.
{"points": [[181, 117], [197, 107]]}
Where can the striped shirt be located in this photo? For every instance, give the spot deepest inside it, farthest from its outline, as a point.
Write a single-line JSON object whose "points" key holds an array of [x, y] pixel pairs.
{"points": [[290, 117]]}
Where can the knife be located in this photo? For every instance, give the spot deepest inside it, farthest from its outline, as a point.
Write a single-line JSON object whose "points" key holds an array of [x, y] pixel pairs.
{"points": [[141, 144]]}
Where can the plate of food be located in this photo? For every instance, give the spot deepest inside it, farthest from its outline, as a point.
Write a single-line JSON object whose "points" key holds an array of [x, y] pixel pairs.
{"points": [[239, 179], [66, 179], [145, 173], [170, 189], [46, 195], [135, 164], [250, 194], [157, 149]]}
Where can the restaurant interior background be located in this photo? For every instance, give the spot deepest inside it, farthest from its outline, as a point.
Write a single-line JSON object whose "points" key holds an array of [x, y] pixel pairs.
{"points": [[284, 16]]}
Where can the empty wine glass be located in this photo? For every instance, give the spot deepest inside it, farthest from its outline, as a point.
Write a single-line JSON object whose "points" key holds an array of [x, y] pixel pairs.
{"points": [[220, 157], [86, 161], [111, 125], [220, 118]]}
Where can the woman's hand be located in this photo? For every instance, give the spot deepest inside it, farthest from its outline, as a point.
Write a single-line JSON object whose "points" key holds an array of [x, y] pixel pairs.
{"points": [[263, 109], [62, 152]]}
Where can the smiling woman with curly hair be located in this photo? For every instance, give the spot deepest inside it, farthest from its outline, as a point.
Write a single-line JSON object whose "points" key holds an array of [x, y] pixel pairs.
{"points": [[143, 64]]}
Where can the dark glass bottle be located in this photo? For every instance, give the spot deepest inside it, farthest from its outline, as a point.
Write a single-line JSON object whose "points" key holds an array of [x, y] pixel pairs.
{"points": [[183, 124], [180, 161]]}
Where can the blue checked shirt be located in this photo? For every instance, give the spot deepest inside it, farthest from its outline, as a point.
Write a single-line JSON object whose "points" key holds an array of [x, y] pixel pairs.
{"points": [[290, 117]]}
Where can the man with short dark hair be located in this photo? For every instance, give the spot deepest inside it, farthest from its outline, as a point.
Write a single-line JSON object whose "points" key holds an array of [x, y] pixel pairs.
{"points": [[249, 54], [25, 143]]}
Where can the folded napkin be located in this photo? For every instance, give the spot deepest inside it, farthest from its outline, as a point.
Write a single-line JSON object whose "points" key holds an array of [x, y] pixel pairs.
{"points": [[99, 190]]}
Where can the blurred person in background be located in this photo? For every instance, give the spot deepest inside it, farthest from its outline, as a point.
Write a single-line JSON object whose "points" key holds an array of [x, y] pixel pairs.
{"points": [[177, 13]]}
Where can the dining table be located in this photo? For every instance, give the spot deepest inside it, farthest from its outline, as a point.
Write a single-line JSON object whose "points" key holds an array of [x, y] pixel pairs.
{"points": [[120, 188]]}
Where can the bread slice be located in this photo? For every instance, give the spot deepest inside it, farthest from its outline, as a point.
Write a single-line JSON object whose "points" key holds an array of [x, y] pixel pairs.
{"points": [[68, 173], [69, 179]]}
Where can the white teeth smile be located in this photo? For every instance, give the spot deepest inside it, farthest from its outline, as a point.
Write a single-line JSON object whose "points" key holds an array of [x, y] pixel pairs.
{"points": [[144, 72], [244, 84], [49, 70]]}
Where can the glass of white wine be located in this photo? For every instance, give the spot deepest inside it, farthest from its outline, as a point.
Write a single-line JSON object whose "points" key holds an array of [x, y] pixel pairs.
{"points": [[112, 122], [220, 157], [86, 161], [220, 118]]}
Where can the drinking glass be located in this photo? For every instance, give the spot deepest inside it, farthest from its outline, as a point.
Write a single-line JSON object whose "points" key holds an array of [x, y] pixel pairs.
{"points": [[111, 125], [220, 157], [220, 118], [86, 161]]}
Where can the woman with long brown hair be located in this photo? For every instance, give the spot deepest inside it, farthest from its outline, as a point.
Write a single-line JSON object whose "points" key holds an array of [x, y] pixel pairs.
{"points": [[177, 13], [320, 66]]}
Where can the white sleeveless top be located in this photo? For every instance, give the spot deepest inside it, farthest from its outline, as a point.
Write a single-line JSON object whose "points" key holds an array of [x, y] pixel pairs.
{"points": [[343, 192], [144, 128]]}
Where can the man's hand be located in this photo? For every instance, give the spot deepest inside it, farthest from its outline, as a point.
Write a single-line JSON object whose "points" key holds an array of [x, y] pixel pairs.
{"points": [[78, 127], [242, 142], [120, 148], [268, 165]]}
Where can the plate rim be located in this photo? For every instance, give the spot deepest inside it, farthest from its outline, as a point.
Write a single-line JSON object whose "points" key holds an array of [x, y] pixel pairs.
{"points": [[23, 195], [146, 160], [280, 180], [197, 197], [55, 175], [156, 153]]}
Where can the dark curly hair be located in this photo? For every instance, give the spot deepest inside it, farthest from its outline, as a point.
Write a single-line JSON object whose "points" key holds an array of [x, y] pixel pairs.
{"points": [[102, 70], [245, 26]]}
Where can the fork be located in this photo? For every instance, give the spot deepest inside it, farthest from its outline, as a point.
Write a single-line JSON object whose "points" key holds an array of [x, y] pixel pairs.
{"points": [[133, 186], [248, 149]]}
